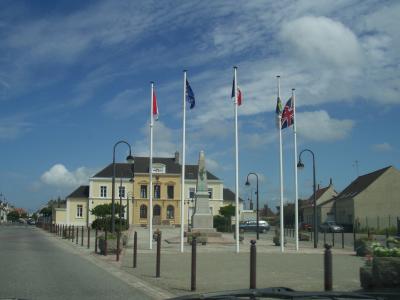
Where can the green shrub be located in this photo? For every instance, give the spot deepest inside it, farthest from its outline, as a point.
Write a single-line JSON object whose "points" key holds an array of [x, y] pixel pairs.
{"points": [[105, 224], [381, 251], [363, 246], [222, 224]]}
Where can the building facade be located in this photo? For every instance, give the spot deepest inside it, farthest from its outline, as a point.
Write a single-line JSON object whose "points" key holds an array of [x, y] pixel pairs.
{"points": [[325, 205], [134, 193], [370, 201]]}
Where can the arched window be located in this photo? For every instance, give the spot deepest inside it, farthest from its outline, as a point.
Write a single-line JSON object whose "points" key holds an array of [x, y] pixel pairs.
{"points": [[157, 210], [143, 211], [170, 212]]}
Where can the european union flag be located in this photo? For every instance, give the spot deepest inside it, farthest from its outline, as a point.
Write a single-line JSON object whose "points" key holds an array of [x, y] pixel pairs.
{"points": [[190, 95]]}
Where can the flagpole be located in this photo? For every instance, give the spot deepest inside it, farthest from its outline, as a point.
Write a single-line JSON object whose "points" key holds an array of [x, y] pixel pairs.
{"points": [[183, 162], [281, 171], [296, 200], [237, 165], [151, 168]]}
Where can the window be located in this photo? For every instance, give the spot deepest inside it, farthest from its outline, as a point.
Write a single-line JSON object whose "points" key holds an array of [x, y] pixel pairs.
{"points": [[121, 192], [210, 193], [192, 192], [143, 211], [170, 212], [103, 191], [157, 211], [143, 191], [157, 191], [170, 192], [79, 211]]}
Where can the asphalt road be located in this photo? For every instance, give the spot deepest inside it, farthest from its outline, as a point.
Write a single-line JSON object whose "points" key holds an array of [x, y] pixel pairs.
{"points": [[32, 266]]}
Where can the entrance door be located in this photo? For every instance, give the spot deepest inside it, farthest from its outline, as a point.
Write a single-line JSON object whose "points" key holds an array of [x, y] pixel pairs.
{"points": [[157, 215]]}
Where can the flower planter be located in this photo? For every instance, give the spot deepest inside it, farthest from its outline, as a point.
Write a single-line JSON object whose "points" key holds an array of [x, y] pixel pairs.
{"points": [[384, 273]]}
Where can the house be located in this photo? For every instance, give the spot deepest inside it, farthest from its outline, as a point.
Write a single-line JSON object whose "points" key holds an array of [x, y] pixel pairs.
{"points": [[370, 201], [325, 205]]}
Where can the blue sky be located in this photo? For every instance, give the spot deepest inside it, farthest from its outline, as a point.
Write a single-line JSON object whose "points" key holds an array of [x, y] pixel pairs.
{"points": [[74, 79]]}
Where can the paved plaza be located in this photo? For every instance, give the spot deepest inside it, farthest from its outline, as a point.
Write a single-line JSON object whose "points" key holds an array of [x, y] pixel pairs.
{"points": [[220, 268]]}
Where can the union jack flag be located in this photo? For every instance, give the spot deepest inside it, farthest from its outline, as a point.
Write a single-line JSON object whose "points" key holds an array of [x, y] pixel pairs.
{"points": [[288, 114]]}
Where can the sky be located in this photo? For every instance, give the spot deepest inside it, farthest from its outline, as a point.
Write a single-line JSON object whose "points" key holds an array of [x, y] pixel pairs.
{"points": [[75, 78]]}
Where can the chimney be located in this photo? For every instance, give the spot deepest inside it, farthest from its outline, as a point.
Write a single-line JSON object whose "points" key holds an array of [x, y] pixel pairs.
{"points": [[330, 181], [318, 187], [176, 157]]}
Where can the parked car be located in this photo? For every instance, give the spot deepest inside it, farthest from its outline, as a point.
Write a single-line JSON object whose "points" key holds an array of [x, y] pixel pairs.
{"points": [[263, 226], [31, 222], [330, 226], [305, 226]]}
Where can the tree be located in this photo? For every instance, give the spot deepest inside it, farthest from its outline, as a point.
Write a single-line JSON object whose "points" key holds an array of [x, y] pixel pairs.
{"points": [[103, 217], [227, 211], [13, 216], [46, 211]]}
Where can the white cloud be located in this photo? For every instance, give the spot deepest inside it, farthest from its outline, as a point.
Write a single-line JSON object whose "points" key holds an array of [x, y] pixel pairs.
{"points": [[319, 126], [322, 40], [384, 147], [58, 175]]}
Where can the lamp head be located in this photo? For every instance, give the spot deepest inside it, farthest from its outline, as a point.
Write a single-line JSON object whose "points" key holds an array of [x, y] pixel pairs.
{"points": [[130, 159], [300, 165], [247, 182]]}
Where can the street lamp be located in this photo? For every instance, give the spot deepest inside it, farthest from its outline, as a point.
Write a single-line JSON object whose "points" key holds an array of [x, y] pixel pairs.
{"points": [[248, 184], [131, 161], [300, 165]]}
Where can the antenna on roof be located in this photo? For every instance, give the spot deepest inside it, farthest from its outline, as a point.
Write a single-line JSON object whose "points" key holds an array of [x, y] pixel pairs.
{"points": [[355, 165]]}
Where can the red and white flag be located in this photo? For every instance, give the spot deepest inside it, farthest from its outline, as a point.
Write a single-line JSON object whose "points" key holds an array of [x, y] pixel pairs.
{"points": [[155, 106]]}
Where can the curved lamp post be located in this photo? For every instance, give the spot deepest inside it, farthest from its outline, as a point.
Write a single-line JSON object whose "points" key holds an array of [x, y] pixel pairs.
{"points": [[300, 165], [131, 161], [248, 184]]}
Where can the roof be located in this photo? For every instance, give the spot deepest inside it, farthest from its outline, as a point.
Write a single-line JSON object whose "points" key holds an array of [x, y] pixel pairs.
{"points": [[230, 196], [318, 193], [80, 192], [361, 183], [310, 201], [123, 170]]}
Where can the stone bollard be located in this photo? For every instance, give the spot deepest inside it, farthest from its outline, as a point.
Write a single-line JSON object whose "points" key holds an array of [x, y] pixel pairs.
{"points": [[253, 257], [158, 258], [328, 268], [88, 237], [194, 258], [135, 249]]}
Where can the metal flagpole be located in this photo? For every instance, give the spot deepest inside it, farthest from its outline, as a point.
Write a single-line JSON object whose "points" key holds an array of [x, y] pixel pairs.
{"points": [[281, 171], [296, 192], [151, 169], [183, 161], [237, 165]]}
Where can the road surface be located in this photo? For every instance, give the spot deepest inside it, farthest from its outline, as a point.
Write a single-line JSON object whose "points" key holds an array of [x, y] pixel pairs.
{"points": [[33, 266]]}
